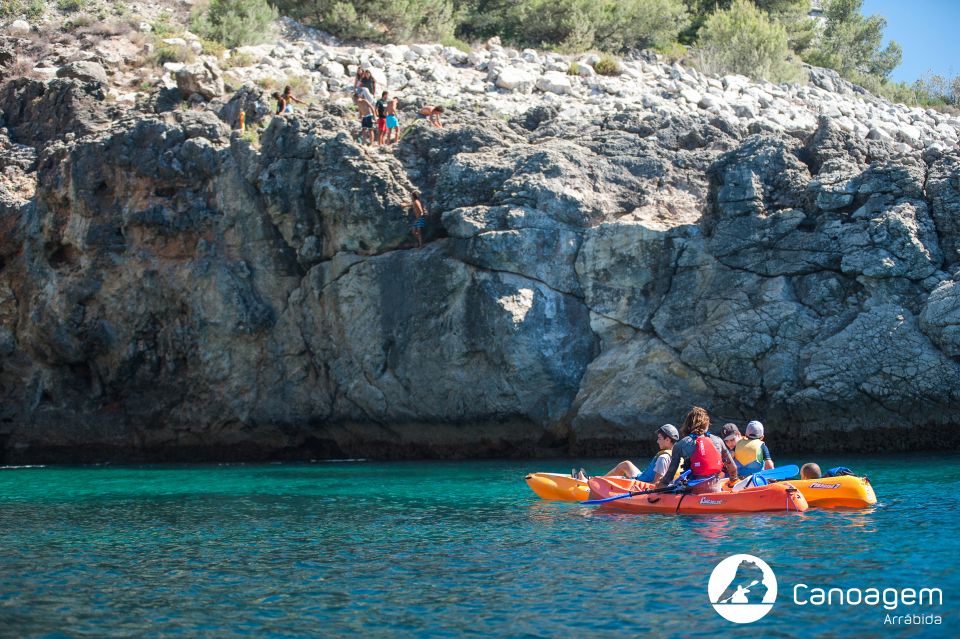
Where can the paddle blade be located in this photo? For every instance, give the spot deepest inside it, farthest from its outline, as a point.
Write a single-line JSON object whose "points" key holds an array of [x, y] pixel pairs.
{"points": [[592, 502], [780, 472]]}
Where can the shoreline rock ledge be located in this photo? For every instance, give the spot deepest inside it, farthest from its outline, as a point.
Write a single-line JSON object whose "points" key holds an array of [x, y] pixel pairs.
{"points": [[172, 291]]}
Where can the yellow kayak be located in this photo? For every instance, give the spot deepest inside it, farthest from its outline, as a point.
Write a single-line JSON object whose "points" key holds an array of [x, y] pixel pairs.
{"points": [[846, 491], [558, 486]]}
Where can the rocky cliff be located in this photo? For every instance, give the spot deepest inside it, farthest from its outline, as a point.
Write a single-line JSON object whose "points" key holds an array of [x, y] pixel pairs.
{"points": [[172, 290]]}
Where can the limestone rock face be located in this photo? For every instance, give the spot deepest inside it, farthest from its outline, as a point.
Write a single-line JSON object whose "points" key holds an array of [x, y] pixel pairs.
{"points": [[171, 291]]}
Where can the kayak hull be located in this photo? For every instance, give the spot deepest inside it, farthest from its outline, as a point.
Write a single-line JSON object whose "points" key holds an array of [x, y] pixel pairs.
{"points": [[557, 487], [846, 491], [780, 497]]}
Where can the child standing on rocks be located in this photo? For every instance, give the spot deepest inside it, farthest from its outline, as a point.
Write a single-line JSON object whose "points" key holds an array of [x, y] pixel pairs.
{"points": [[393, 122], [289, 98]]}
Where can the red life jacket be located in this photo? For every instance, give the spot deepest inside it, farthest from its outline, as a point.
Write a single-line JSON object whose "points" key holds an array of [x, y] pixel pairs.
{"points": [[705, 460]]}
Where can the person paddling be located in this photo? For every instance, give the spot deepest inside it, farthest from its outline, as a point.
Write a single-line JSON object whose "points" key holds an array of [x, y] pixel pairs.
{"points": [[702, 453], [667, 436]]}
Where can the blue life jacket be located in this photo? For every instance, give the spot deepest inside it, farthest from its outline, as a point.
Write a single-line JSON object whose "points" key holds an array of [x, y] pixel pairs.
{"points": [[649, 473], [839, 471], [748, 469]]}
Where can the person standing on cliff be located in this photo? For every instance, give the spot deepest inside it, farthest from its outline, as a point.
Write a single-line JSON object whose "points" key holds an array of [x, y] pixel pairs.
{"points": [[289, 99], [393, 122], [419, 218], [366, 118], [381, 106], [281, 103], [694, 451]]}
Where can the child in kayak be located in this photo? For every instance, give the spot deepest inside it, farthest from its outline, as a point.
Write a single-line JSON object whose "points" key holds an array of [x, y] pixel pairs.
{"points": [[702, 453], [751, 453], [810, 471], [667, 436]]}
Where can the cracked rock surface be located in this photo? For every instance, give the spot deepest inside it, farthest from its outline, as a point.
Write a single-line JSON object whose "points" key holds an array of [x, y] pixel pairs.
{"points": [[170, 291]]}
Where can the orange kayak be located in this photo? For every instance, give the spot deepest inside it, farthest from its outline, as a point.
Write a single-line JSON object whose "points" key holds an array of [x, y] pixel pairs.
{"points": [[558, 486], [771, 498]]}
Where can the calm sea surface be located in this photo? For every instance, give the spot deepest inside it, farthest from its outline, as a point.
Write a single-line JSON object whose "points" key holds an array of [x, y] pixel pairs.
{"points": [[442, 549]]}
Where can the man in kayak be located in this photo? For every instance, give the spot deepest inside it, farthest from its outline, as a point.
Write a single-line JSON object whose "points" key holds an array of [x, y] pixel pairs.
{"points": [[702, 453], [667, 436]]}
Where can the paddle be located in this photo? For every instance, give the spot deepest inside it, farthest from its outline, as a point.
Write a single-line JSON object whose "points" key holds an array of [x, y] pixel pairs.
{"points": [[770, 474], [679, 483]]}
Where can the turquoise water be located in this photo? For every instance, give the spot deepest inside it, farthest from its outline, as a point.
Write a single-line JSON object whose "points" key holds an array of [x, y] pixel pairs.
{"points": [[440, 549]]}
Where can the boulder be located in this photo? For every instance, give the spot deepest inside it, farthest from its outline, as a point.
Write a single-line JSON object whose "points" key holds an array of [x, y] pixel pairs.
{"points": [[19, 27], [555, 82], [514, 79], [203, 78], [85, 71]]}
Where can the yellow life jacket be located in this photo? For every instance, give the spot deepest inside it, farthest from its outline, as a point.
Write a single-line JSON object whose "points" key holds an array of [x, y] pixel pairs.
{"points": [[669, 453], [748, 451]]}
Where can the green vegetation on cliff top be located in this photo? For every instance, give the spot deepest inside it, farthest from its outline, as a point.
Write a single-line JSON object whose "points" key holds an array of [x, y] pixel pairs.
{"points": [[765, 39]]}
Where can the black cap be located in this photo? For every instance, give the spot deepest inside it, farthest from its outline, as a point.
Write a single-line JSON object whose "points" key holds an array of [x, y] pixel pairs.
{"points": [[728, 430]]}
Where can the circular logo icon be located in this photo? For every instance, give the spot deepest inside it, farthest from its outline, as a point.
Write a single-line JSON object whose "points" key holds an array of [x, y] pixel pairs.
{"points": [[742, 588]]}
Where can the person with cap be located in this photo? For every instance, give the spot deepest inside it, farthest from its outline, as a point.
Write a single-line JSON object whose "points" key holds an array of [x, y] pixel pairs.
{"points": [[702, 453], [667, 436], [751, 453]]}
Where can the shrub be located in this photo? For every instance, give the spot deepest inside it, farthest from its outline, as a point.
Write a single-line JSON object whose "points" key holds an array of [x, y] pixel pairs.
{"points": [[10, 8], [251, 135], [32, 10], [607, 65], [70, 6], [850, 42], [742, 39], [626, 24], [673, 51], [162, 27], [213, 48], [239, 60], [164, 53], [299, 84], [573, 69], [578, 25], [268, 84], [456, 43], [234, 22], [81, 21], [396, 21]]}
